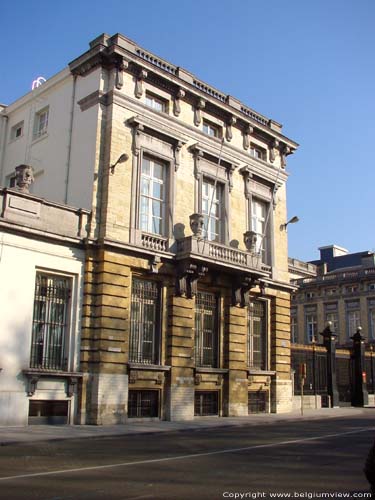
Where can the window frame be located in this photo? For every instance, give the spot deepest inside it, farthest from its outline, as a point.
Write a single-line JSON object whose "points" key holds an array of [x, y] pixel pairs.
{"points": [[255, 148], [200, 313], [140, 356], [66, 355], [152, 100], [39, 131], [311, 320], [208, 127], [293, 328], [264, 250], [218, 188], [14, 129], [262, 363]]}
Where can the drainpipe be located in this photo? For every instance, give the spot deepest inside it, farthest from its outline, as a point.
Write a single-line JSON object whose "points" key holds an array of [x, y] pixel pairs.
{"points": [[70, 135], [4, 131]]}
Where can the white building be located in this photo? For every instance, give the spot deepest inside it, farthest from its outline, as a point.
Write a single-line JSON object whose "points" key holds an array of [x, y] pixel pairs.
{"points": [[41, 269]]}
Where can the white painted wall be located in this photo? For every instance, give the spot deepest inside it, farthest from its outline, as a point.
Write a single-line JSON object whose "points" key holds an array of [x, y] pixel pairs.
{"points": [[20, 258]]}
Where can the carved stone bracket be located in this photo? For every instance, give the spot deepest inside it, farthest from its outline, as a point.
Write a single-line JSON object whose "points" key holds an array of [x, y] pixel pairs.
{"points": [[133, 377], [197, 379], [241, 288], [247, 176], [71, 384], [198, 155], [32, 384], [246, 136], [34, 375], [273, 150], [284, 152], [121, 66], [138, 130], [229, 133], [142, 75], [176, 103], [153, 264], [219, 379], [201, 104], [230, 171], [177, 155], [188, 275], [24, 177]]}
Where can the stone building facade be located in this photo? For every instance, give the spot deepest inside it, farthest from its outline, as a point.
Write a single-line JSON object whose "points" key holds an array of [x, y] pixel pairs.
{"points": [[187, 295], [340, 288]]}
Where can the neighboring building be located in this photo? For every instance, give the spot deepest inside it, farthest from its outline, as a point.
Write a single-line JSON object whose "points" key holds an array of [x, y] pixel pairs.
{"points": [[41, 274], [340, 288], [187, 294]]}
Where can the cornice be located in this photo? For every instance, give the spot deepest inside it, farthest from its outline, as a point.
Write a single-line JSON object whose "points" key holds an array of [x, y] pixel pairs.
{"points": [[157, 127], [108, 51]]}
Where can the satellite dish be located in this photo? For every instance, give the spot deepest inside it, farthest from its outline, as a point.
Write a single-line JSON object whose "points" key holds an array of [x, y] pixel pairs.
{"points": [[38, 82]]}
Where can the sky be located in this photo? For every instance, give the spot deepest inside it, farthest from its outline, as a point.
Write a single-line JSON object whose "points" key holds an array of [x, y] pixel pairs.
{"points": [[308, 64]]}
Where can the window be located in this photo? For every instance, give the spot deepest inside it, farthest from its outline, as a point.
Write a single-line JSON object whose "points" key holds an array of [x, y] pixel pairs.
{"points": [[152, 196], [50, 322], [331, 291], [257, 402], [41, 123], [353, 320], [212, 206], [351, 289], [144, 322], [143, 404], [156, 103], [258, 225], [257, 152], [333, 318], [311, 327], [293, 329], [206, 403], [206, 330], [309, 295], [211, 129], [16, 131], [371, 313], [371, 286], [256, 335]]}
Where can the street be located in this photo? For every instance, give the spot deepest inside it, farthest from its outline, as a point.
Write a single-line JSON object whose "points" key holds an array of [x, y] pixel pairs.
{"points": [[301, 458]]}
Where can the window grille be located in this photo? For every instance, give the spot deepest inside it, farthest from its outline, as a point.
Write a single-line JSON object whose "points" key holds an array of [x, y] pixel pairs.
{"points": [[257, 402], [143, 404], [206, 403], [145, 322], [206, 330], [256, 322], [50, 322]]}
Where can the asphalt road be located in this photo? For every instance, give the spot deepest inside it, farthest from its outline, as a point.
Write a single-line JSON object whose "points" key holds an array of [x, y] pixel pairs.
{"points": [[306, 458]]}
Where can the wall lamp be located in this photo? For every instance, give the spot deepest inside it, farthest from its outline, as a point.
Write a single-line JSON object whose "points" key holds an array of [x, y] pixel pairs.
{"points": [[293, 220], [121, 159]]}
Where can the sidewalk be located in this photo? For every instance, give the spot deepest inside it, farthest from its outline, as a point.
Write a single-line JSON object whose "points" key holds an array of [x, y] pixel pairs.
{"points": [[30, 434]]}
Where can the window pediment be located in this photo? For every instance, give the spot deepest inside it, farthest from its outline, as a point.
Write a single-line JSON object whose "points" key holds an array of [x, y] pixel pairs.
{"points": [[155, 128]]}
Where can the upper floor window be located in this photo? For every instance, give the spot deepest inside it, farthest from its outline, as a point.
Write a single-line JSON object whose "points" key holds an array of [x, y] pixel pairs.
{"points": [[371, 286], [145, 322], [41, 122], [257, 152], [153, 196], [256, 335], [212, 207], [259, 226], [353, 320], [156, 103], [293, 327], [309, 295], [371, 314], [311, 327], [211, 129], [16, 131], [50, 322], [206, 330]]}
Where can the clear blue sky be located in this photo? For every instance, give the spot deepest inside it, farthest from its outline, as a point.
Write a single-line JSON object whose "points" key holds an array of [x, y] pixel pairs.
{"points": [[308, 64]]}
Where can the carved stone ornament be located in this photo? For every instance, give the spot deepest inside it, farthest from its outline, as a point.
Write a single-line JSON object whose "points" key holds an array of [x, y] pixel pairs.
{"points": [[285, 151], [247, 176], [250, 240], [176, 104], [196, 224], [177, 150], [121, 66], [139, 83], [246, 136], [241, 289], [24, 177], [228, 132], [133, 377], [153, 264], [273, 150], [138, 130], [188, 275], [197, 379], [198, 155], [230, 171], [201, 104]]}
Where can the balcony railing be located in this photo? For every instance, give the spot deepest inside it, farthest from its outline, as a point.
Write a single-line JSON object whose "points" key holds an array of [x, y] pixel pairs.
{"points": [[338, 276], [193, 246], [154, 242]]}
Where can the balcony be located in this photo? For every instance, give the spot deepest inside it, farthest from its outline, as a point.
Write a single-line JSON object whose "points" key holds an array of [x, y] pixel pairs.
{"points": [[195, 247]]}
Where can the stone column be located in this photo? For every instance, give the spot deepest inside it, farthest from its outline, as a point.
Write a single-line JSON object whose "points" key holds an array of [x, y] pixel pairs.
{"points": [[180, 356], [235, 359]]}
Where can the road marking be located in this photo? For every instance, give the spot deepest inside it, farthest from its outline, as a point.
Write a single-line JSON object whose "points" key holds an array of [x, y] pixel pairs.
{"points": [[183, 457]]}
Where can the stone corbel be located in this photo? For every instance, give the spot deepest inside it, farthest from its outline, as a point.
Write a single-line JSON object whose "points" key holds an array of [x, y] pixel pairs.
{"points": [[246, 136], [187, 279], [138, 130], [240, 290], [32, 384], [198, 155], [121, 66], [177, 150], [198, 112], [71, 383], [273, 150], [176, 104], [197, 379], [159, 379], [284, 152], [247, 176], [229, 132], [142, 75], [133, 377], [230, 171], [219, 380], [153, 264]]}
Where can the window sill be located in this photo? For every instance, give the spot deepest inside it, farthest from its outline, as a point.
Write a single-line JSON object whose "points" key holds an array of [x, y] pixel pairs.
{"points": [[254, 371], [34, 374], [39, 138], [145, 366], [202, 369]]}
